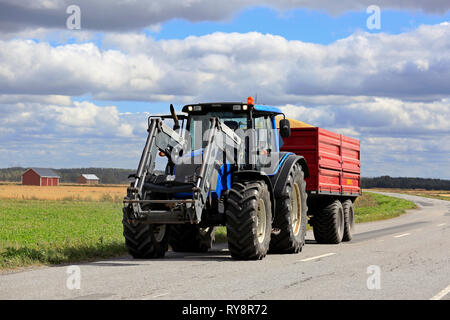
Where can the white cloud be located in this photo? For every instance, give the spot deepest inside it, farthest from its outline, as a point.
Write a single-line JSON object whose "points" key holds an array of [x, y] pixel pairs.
{"points": [[118, 15], [40, 133], [412, 66]]}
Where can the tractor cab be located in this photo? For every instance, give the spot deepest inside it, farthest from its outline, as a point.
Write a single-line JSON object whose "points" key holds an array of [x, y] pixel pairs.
{"points": [[255, 124]]}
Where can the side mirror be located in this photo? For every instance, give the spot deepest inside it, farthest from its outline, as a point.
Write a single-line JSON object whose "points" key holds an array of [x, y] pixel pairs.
{"points": [[285, 128]]}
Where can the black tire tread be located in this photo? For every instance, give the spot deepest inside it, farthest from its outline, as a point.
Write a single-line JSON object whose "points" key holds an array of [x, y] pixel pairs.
{"points": [[348, 230], [325, 226], [241, 220], [286, 241]]}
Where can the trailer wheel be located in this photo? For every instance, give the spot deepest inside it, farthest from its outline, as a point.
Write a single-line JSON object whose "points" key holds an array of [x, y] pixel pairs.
{"points": [[249, 220], [191, 238], [290, 216], [145, 241], [328, 225], [349, 220]]}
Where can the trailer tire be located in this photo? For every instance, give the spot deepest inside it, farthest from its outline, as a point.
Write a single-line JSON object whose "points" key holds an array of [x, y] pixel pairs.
{"points": [[349, 220], [291, 214], [191, 238], [249, 220], [328, 224]]}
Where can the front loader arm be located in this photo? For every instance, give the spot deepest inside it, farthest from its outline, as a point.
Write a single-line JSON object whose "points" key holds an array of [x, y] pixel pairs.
{"points": [[211, 160], [167, 136], [160, 137]]}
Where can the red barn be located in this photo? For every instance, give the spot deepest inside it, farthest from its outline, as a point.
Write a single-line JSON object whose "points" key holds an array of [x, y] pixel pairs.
{"points": [[40, 177]]}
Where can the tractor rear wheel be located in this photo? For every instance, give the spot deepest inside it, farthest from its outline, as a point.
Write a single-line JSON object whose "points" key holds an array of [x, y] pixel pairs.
{"points": [[349, 218], [191, 238], [249, 220], [328, 224], [290, 216]]}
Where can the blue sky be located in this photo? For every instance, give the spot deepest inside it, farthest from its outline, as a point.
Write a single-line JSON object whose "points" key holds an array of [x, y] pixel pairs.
{"points": [[70, 97], [300, 24]]}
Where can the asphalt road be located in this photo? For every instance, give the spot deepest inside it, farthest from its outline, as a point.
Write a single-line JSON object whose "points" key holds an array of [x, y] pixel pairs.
{"points": [[410, 252]]}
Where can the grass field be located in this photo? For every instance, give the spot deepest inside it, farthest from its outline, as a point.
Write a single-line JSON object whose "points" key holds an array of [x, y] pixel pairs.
{"points": [[373, 207], [49, 231], [53, 232], [434, 194]]}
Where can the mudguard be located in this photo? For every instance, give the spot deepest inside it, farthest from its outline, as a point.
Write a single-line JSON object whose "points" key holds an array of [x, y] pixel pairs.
{"points": [[279, 178]]}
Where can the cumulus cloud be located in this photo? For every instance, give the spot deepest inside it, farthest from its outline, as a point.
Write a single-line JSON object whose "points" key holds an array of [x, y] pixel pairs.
{"points": [[398, 138], [378, 116], [412, 66], [39, 132], [117, 15]]}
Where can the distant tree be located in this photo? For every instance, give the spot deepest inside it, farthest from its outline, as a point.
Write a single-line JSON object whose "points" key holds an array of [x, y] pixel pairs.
{"points": [[405, 183]]}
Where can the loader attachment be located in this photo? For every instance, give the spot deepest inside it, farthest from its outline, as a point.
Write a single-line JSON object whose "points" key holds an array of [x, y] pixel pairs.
{"points": [[151, 197]]}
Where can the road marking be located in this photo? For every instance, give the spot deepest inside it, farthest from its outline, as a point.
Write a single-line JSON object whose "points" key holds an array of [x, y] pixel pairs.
{"points": [[402, 235], [318, 257], [441, 294], [441, 224]]}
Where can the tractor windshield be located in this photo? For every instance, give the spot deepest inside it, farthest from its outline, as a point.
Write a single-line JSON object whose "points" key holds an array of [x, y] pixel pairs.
{"points": [[199, 124]]}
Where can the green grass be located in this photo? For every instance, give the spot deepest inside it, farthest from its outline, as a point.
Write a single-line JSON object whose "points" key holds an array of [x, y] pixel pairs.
{"points": [[373, 207], [37, 232]]}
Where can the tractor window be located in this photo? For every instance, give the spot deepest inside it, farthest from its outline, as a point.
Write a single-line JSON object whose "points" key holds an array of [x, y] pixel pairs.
{"points": [[264, 133], [199, 124]]}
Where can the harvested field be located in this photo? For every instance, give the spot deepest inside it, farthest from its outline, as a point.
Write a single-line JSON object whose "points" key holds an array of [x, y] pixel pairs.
{"points": [[113, 193]]}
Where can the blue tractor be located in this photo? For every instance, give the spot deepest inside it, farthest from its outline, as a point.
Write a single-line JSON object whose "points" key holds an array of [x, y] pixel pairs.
{"points": [[223, 168]]}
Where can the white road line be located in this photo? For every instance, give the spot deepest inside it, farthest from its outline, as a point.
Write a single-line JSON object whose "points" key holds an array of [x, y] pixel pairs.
{"points": [[402, 235], [441, 224], [441, 294], [318, 257]]}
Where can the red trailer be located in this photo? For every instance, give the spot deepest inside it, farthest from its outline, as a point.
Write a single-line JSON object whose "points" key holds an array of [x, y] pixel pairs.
{"points": [[333, 160], [334, 180]]}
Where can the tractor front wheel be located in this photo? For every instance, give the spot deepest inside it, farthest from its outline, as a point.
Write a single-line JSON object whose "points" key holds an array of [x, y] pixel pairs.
{"points": [[145, 241], [249, 220]]}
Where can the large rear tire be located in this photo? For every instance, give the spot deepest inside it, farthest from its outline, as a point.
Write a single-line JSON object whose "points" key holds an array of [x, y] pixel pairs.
{"points": [[349, 218], [249, 220], [191, 238], [328, 226], [290, 216]]}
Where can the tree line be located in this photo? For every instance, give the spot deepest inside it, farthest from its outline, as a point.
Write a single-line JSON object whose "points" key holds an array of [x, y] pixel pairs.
{"points": [[405, 183]]}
